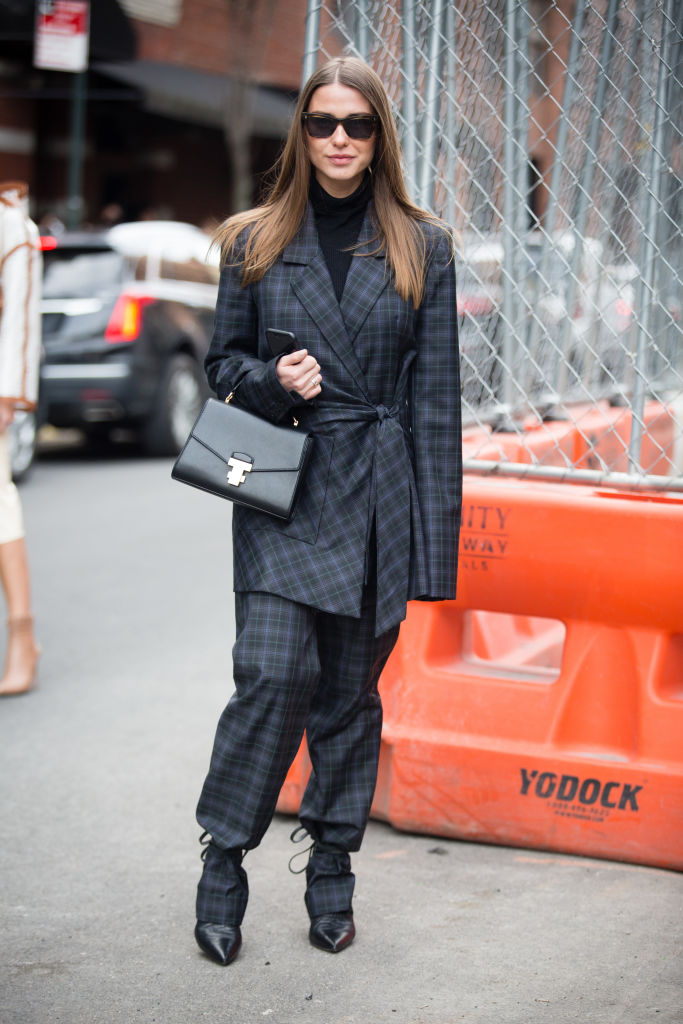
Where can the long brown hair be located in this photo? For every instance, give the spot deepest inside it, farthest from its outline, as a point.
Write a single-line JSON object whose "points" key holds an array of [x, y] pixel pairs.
{"points": [[275, 223]]}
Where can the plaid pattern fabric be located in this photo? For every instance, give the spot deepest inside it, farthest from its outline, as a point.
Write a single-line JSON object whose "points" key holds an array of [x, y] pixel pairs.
{"points": [[386, 427], [223, 889], [294, 669], [329, 881]]}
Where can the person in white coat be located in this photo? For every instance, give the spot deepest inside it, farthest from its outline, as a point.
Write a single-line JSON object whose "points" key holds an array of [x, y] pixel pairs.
{"points": [[20, 289]]}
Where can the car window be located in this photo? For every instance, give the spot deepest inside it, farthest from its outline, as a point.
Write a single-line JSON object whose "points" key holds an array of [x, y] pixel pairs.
{"points": [[77, 273]]}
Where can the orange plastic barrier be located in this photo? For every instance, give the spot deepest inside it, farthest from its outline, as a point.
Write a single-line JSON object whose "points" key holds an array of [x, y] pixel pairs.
{"points": [[544, 707], [596, 437]]}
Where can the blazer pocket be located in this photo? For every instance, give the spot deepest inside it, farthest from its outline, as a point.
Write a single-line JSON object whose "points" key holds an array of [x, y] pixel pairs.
{"points": [[305, 523]]}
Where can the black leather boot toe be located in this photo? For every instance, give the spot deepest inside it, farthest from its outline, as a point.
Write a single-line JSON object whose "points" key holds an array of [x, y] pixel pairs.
{"points": [[332, 932], [219, 941]]}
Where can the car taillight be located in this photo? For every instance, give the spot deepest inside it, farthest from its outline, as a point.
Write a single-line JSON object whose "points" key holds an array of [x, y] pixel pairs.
{"points": [[126, 317], [47, 243]]}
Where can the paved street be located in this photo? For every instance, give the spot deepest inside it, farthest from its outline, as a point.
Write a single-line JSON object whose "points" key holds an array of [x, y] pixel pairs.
{"points": [[101, 769]]}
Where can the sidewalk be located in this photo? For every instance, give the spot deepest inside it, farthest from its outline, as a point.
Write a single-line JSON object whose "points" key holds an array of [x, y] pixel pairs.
{"points": [[446, 932], [99, 858]]}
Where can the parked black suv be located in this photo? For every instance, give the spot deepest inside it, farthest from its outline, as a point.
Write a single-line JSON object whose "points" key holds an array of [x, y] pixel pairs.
{"points": [[127, 319]]}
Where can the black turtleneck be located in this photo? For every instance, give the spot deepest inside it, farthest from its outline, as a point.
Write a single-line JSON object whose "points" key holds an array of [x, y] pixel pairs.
{"points": [[339, 222]]}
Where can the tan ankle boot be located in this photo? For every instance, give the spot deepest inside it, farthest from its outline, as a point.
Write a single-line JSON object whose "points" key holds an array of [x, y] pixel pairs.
{"points": [[22, 658]]}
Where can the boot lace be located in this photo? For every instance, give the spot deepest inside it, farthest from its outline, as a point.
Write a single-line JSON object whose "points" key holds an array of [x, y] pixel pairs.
{"points": [[206, 841], [298, 836]]}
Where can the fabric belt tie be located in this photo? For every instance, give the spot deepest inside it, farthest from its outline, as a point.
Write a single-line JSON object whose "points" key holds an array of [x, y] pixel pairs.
{"points": [[393, 498]]}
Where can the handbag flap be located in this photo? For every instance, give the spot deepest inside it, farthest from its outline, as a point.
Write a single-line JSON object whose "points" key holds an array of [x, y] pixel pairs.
{"points": [[227, 430]]}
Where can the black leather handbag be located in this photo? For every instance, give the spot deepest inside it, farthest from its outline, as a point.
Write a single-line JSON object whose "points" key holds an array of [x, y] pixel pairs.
{"points": [[239, 456]]}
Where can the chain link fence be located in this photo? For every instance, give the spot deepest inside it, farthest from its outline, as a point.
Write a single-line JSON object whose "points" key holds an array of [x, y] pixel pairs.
{"points": [[548, 134]]}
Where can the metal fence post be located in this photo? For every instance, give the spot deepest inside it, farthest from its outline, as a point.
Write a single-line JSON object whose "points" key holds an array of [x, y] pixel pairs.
{"points": [[549, 228], [524, 277], [311, 39], [583, 192], [362, 34], [646, 291], [430, 139], [510, 207], [449, 149], [409, 94]]}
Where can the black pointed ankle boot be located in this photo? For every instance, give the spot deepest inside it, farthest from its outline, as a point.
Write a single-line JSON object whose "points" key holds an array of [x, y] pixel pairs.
{"points": [[221, 942], [332, 932], [223, 889]]}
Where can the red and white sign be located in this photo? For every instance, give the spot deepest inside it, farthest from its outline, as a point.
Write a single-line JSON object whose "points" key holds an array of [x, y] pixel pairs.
{"points": [[62, 33]]}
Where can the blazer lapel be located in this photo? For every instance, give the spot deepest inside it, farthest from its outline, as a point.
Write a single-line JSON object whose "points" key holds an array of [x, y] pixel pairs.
{"points": [[368, 277], [313, 288]]}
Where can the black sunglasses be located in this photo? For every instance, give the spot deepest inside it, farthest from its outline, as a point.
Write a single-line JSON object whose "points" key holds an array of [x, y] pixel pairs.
{"points": [[357, 126]]}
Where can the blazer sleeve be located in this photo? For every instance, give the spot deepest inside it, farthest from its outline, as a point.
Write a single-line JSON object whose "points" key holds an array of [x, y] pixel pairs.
{"points": [[232, 358], [436, 424]]}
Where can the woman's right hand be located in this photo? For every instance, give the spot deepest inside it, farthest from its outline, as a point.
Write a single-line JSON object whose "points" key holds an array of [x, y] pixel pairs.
{"points": [[297, 371]]}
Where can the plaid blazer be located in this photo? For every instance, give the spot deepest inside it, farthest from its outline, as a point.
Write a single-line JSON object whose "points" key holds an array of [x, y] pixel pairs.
{"points": [[387, 451]]}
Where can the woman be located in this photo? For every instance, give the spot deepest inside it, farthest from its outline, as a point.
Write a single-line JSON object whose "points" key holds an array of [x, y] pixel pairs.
{"points": [[20, 279], [339, 256]]}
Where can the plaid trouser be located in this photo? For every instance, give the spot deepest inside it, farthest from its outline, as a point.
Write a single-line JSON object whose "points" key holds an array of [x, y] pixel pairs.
{"points": [[295, 669]]}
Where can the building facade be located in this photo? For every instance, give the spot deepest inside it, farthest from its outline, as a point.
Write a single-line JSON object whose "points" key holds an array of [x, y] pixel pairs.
{"points": [[184, 108]]}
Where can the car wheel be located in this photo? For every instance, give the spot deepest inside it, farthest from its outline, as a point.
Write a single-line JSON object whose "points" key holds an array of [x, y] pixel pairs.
{"points": [[22, 443], [177, 407]]}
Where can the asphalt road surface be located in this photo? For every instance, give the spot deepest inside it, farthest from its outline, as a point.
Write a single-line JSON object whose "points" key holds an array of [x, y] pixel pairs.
{"points": [[100, 773]]}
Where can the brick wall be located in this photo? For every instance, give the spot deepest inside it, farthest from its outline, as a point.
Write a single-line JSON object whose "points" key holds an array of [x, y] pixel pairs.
{"points": [[262, 37]]}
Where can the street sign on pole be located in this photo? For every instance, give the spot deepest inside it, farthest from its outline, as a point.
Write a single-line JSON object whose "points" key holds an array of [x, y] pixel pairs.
{"points": [[62, 33]]}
